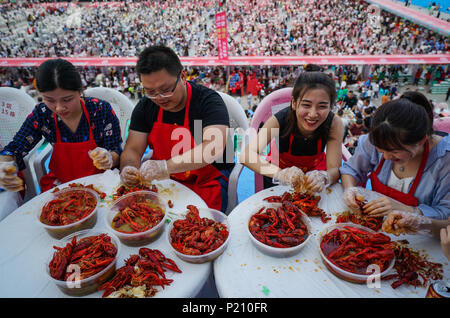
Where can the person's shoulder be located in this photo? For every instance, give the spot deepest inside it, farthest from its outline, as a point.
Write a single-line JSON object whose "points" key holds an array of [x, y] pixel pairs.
{"points": [[41, 110], [93, 103], [202, 92]]}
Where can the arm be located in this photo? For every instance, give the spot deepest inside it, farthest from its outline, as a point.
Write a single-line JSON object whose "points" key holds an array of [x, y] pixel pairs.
{"points": [[134, 149], [250, 157], [334, 149]]}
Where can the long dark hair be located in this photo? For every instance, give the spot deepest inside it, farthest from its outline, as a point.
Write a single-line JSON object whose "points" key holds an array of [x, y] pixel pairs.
{"points": [[397, 123], [305, 82], [58, 73], [421, 100]]}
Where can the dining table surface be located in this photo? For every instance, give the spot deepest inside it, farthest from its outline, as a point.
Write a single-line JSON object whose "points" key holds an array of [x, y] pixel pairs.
{"points": [[26, 246], [243, 271]]}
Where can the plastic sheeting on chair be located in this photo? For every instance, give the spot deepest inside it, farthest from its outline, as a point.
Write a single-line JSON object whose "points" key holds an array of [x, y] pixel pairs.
{"points": [[16, 105]]}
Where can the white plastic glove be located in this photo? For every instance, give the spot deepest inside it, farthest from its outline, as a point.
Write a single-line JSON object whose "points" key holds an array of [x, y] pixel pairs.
{"points": [[399, 222], [8, 177], [154, 170], [350, 196], [101, 158], [130, 176], [289, 176], [318, 180]]}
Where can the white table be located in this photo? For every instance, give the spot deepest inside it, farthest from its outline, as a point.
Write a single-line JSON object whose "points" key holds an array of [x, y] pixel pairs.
{"points": [[242, 271], [25, 246]]}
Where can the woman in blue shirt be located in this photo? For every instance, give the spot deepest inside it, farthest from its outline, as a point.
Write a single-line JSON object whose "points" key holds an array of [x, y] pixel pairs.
{"points": [[404, 159]]}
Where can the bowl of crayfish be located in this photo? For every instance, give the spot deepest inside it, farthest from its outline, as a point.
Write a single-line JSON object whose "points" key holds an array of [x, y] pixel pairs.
{"points": [[201, 236], [356, 253], [69, 210], [137, 218], [83, 261], [279, 229]]}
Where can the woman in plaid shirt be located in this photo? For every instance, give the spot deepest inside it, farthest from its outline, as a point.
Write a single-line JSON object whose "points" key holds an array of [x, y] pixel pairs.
{"points": [[84, 132]]}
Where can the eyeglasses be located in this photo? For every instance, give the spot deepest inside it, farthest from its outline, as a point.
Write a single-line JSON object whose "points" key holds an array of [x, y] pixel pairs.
{"points": [[165, 94]]}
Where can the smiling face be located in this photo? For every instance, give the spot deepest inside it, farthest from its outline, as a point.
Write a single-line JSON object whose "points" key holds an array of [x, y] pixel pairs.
{"points": [[311, 110], [162, 82], [64, 103], [402, 156]]}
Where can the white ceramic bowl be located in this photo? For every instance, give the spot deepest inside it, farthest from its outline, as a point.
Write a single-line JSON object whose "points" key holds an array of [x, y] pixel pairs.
{"points": [[60, 231], [214, 215], [339, 272], [276, 251], [88, 285], [141, 238]]}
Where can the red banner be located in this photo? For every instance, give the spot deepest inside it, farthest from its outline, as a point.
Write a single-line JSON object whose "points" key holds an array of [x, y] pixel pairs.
{"points": [[247, 60], [221, 28]]}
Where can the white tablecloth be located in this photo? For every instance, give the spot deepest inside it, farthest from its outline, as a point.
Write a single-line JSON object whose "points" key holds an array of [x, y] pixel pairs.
{"points": [[243, 271], [25, 246]]}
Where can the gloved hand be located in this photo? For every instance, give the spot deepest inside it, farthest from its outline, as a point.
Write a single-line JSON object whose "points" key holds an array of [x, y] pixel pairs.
{"points": [[318, 180], [350, 196], [154, 170], [130, 176], [102, 158], [289, 176], [8, 177], [399, 222]]}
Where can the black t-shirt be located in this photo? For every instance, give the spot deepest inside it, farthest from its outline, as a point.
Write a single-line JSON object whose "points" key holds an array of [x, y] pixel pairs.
{"points": [[206, 106], [300, 146]]}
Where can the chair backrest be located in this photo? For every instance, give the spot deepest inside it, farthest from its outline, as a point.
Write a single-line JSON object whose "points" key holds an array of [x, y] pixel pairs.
{"points": [[122, 105], [238, 119], [15, 106], [442, 124], [270, 105]]}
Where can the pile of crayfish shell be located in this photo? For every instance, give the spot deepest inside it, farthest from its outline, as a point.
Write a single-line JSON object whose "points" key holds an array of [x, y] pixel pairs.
{"points": [[360, 217], [410, 266], [91, 254], [197, 236], [353, 249], [280, 227], [139, 275], [123, 189], [68, 207], [307, 202]]}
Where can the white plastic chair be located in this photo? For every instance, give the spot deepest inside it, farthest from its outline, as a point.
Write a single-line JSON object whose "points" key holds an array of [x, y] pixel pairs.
{"points": [[15, 106], [237, 119], [122, 106]]}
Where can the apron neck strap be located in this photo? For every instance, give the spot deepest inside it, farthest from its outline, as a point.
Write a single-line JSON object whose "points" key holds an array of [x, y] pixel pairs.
{"points": [[421, 168]]}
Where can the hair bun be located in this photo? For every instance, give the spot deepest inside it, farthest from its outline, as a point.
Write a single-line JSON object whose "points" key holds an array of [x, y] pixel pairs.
{"points": [[312, 68]]}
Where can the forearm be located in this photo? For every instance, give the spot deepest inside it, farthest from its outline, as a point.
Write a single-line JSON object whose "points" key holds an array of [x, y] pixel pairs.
{"points": [[334, 175], [7, 158], [348, 181], [252, 160], [130, 157], [115, 158]]}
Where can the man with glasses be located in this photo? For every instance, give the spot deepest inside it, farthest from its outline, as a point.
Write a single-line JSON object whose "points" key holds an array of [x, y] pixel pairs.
{"points": [[185, 125]]}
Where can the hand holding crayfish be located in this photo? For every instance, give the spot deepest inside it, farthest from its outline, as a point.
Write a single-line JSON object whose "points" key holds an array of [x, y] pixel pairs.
{"points": [[101, 158]]}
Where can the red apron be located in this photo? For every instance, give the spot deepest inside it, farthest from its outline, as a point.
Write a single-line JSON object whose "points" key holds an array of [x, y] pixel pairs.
{"points": [[203, 181], [70, 160], [405, 198], [306, 163]]}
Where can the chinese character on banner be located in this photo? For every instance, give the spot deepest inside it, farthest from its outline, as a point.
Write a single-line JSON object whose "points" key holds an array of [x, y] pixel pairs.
{"points": [[221, 30]]}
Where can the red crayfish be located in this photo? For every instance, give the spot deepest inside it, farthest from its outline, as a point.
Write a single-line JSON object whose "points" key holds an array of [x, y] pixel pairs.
{"points": [[361, 218], [197, 236], [306, 202], [68, 207], [410, 266], [279, 227], [353, 249], [148, 268], [138, 217], [92, 254]]}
